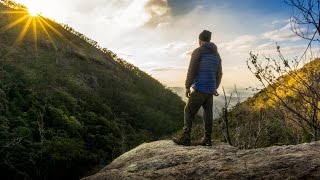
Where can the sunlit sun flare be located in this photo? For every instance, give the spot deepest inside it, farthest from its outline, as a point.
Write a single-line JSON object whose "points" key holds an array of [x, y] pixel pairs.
{"points": [[31, 20], [33, 9]]}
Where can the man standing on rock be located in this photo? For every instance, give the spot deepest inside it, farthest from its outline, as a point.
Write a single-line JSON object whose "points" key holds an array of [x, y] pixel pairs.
{"points": [[204, 76]]}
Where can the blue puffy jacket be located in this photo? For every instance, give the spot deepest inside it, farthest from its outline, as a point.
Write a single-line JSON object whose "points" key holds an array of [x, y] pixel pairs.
{"points": [[205, 70]]}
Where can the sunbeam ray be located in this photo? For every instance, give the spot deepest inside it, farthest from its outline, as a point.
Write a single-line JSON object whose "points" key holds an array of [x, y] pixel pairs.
{"points": [[35, 35], [53, 29], [23, 32], [13, 12], [57, 32], [47, 33], [14, 23]]}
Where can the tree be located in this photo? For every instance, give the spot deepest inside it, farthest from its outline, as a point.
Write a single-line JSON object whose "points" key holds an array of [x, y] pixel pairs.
{"points": [[305, 21], [298, 94]]}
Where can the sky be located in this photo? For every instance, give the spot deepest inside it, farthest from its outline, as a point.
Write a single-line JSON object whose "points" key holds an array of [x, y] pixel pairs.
{"points": [[158, 36]]}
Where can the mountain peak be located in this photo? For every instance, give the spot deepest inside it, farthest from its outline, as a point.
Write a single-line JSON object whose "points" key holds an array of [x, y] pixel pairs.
{"points": [[166, 160]]}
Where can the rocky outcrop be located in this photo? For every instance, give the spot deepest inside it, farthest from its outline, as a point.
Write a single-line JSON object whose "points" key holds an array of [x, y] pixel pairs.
{"points": [[165, 160]]}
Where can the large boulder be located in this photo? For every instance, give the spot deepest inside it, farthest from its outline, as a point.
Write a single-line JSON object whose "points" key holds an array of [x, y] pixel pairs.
{"points": [[166, 160]]}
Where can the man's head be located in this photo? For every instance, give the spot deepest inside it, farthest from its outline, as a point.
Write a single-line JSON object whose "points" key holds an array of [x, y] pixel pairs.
{"points": [[204, 36]]}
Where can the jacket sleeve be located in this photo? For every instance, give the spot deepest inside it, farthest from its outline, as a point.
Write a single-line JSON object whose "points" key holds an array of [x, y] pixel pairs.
{"points": [[219, 73], [193, 67]]}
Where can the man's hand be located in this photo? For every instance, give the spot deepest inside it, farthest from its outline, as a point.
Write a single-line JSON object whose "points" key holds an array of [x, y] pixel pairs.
{"points": [[188, 92], [216, 93]]}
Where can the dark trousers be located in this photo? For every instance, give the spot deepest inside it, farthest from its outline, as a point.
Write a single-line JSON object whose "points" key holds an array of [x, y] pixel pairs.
{"points": [[196, 100]]}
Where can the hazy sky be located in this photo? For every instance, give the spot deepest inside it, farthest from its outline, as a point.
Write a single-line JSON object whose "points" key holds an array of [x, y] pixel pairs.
{"points": [[158, 36]]}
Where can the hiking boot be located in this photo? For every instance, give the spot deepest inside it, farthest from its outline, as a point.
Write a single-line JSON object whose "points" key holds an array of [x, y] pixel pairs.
{"points": [[184, 139], [205, 141]]}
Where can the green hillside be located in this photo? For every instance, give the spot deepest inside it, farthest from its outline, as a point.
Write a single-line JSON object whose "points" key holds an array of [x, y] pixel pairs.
{"points": [[68, 107], [285, 112]]}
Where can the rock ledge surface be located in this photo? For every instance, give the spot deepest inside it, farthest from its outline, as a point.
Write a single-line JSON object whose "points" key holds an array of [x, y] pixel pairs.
{"points": [[166, 160]]}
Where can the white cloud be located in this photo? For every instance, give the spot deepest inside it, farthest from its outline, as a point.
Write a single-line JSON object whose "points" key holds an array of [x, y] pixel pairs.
{"points": [[159, 12], [177, 46], [270, 48], [283, 34], [241, 42], [277, 23], [280, 21], [264, 46]]}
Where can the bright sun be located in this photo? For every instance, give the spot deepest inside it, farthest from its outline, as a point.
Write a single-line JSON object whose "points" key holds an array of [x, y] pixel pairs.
{"points": [[34, 8], [33, 21]]}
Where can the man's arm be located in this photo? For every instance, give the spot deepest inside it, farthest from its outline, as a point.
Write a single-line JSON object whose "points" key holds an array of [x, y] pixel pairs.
{"points": [[219, 73], [193, 67]]}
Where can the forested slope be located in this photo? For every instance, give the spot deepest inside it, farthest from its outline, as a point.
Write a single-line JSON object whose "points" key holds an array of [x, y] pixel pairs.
{"points": [[68, 107]]}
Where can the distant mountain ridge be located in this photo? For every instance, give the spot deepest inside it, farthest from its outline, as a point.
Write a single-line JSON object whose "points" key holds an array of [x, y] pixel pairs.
{"points": [[218, 101]]}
